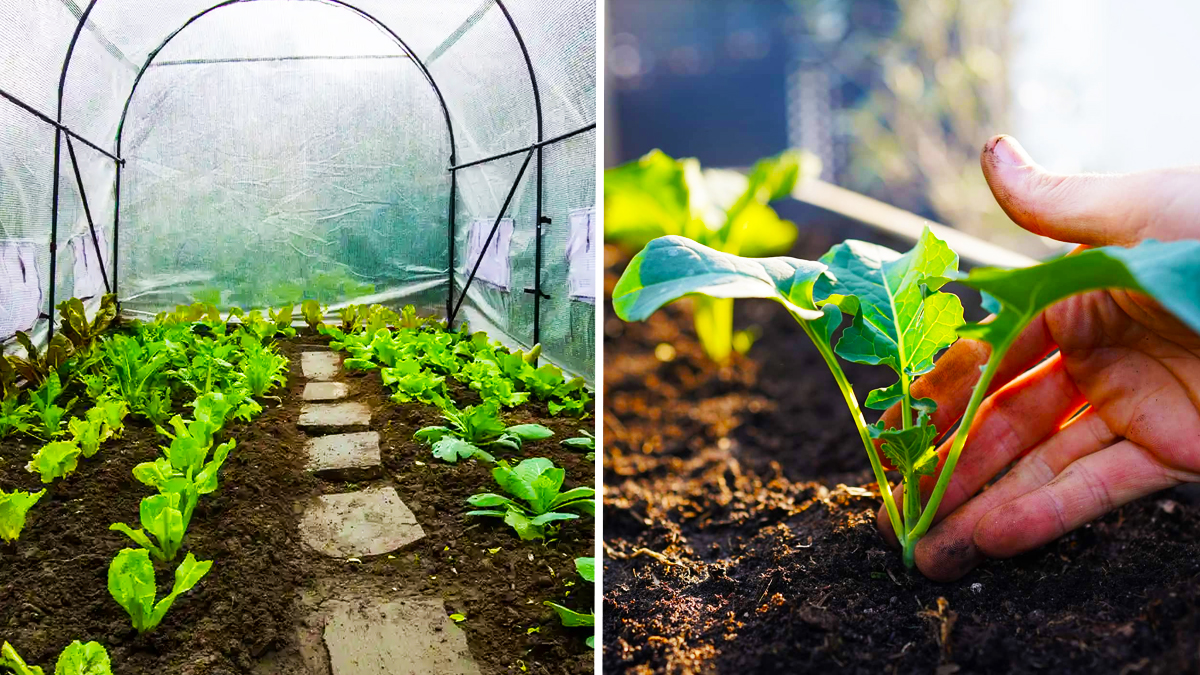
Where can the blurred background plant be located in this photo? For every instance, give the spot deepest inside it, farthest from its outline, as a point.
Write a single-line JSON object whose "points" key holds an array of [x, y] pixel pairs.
{"points": [[896, 97]]}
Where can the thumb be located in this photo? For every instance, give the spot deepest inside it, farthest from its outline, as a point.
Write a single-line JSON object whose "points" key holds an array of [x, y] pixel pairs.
{"points": [[1092, 209]]}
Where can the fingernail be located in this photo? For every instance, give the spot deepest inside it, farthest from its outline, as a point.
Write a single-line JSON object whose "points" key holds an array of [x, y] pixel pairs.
{"points": [[1010, 152]]}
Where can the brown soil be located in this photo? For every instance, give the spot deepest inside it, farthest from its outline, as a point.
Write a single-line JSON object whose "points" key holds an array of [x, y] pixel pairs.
{"points": [[247, 611], [733, 544]]}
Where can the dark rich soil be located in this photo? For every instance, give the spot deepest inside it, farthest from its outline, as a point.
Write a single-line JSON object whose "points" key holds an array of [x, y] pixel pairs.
{"points": [[247, 610], [733, 544]]}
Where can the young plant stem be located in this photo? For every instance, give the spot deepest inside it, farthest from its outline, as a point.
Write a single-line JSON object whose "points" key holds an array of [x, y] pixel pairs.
{"points": [[843, 384], [960, 439]]}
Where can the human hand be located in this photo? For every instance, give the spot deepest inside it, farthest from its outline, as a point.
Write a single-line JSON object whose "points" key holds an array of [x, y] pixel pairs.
{"points": [[1130, 361]]}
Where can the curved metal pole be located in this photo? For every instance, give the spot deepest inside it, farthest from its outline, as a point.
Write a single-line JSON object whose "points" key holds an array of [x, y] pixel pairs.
{"points": [[540, 219]]}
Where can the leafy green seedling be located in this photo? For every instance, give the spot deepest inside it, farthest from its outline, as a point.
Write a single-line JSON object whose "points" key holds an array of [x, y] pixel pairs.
{"points": [[14, 417], [585, 442], [728, 211], [78, 329], [55, 460], [537, 482], [131, 584], [485, 377], [902, 320], [46, 411], [77, 659], [161, 516], [313, 316], [476, 428], [411, 382], [13, 508], [263, 370]]}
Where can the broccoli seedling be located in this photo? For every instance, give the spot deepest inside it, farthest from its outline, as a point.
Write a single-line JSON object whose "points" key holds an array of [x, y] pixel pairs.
{"points": [[901, 319]]}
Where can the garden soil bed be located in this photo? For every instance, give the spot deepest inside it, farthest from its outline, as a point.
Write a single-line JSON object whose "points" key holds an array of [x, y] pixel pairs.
{"points": [[740, 533], [246, 614]]}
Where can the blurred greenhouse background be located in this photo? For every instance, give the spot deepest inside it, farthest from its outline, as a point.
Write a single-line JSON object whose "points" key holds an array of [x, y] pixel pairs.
{"points": [[898, 96]]}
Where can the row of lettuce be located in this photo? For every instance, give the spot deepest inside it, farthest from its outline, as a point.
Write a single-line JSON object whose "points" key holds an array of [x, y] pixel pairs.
{"points": [[415, 359], [191, 355]]}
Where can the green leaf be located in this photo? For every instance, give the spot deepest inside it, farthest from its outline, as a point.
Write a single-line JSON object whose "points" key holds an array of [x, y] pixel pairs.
{"points": [[55, 460], [672, 267], [187, 575], [900, 320], [10, 659], [587, 568], [13, 508], [1165, 271], [911, 450], [131, 584], [570, 618], [83, 659], [452, 449], [882, 399], [531, 432], [552, 516], [458, 618], [139, 537], [525, 528]]}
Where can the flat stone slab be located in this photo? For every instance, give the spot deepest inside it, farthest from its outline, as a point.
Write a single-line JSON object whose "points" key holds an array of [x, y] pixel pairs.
{"points": [[404, 636], [333, 417], [346, 457], [353, 524], [320, 365], [325, 391]]}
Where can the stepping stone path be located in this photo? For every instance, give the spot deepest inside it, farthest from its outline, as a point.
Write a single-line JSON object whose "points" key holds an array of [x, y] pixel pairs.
{"points": [[377, 633], [347, 457], [371, 522]]}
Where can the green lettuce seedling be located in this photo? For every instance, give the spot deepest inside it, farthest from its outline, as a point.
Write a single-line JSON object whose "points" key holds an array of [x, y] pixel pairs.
{"points": [[77, 659], [55, 460], [14, 417], [46, 411], [723, 209], [411, 382], [536, 482], [162, 516], [13, 508], [476, 428], [313, 316], [131, 584], [902, 320]]}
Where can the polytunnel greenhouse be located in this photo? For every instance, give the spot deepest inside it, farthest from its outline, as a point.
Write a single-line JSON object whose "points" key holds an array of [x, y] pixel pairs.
{"points": [[255, 153], [297, 304]]}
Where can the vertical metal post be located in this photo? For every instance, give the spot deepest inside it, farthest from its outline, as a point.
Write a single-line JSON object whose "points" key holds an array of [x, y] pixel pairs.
{"points": [[450, 243], [116, 230], [537, 266], [539, 219], [54, 230]]}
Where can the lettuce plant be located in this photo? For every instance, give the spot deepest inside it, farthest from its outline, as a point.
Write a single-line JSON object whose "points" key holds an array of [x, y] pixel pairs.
{"points": [[313, 316], [166, 517], [728, 211], [485, 377], [410, 382], [135, 375], [569, 617], [13, 508], [262, 370], [537, 483], [901, 319], [585, 442], [37, 366], [14, 417], [476, 428], [55, 460], [76, 327], [46, 411], [77, 659], [131, 584]]}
